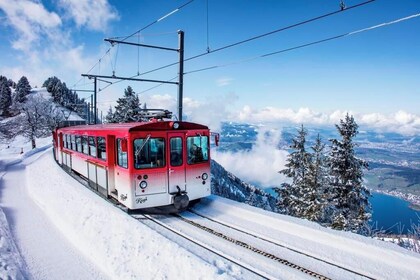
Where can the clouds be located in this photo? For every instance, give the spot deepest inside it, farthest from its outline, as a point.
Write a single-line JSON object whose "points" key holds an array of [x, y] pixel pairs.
{"points": [[31, 20], [400, 121], [93, 14], [43, 38], [261, 164]]}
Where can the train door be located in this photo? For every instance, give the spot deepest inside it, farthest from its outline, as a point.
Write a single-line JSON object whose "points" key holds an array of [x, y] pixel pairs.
{"points": [[176, 170]]}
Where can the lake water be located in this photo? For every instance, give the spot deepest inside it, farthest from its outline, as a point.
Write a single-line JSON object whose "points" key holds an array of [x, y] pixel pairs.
{"points": [[392, 214], [388, 213]]}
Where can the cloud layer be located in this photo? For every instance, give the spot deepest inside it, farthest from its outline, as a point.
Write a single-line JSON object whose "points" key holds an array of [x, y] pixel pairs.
{"points": [[259, 165], [43, 38]]}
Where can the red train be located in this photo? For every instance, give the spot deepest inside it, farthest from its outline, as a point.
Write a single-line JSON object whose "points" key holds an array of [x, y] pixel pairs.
{"points": [[141, 165]]}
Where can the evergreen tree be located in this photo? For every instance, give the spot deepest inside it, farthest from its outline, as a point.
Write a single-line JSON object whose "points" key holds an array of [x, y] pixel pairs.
{"points": [[292, 196], [350, 196], [23, 88], [127, 107], [5, 98], [318, 183], [109, 118]]}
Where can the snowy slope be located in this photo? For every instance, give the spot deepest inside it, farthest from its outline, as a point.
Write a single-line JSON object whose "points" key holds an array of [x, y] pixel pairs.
{"points": [[113, 245]]}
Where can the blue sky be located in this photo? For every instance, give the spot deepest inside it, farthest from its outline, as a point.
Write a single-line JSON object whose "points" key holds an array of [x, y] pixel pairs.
{"points": [[374, 74]]}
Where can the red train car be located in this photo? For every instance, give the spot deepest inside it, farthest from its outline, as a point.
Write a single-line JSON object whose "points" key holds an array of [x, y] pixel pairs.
{"points": [[141, 165]]}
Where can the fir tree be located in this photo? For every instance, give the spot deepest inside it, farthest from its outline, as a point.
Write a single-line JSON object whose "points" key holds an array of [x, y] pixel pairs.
{"points": [[127, 107], [350, 196], [292, 196], [23, 88], [5, 98], [318, 183], [109, 118]]}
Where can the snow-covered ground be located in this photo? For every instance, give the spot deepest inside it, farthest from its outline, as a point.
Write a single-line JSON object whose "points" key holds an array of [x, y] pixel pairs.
{"points": [[55, 228]]}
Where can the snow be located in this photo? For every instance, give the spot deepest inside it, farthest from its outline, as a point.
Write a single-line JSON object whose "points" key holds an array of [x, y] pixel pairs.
{"points": [[55, 228]]}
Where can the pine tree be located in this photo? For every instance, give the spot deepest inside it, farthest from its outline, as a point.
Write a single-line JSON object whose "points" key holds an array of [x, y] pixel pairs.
{"points": [[127, 107], [350, 196], [5, 98], [23, 88], [291, 196], [318, 183], [109, 118]]}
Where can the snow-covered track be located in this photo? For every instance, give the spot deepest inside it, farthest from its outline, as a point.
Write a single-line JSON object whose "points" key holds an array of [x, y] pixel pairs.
{"points": [[253, 249], [257, 236], [261, 274]]}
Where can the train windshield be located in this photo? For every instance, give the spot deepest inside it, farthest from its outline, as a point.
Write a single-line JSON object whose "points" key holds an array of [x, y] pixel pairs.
{"points": [[149, 153], [198, 149]]}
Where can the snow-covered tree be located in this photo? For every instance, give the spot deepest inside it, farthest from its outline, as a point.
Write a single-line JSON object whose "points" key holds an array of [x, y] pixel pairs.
{"points": [[109, 118], [34, 120], [349, 195], [127, 108], [291, 198], [23, 88], [318, 183], [5, 98]]}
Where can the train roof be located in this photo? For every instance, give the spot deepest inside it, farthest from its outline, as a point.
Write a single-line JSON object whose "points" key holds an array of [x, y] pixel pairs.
{"points": [[135, 126]]}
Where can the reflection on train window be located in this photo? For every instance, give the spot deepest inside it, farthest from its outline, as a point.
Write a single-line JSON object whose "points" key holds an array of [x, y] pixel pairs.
{"points": [[176, 151], [85, 146], [198, 149], [149, 153], [121, 155], [78, 143], [101, 148], [92, 146], [73, 142]]}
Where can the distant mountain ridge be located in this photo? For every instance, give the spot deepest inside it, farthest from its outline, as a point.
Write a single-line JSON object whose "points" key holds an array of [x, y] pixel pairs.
{"points": [[225, 184]]}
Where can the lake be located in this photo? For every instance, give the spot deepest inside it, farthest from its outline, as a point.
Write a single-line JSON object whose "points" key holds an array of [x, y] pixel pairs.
{"points": [[392, 214], [388, 213]]}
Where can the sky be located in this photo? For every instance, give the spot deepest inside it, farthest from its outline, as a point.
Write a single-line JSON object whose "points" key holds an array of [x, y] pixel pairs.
{"points": [[374, 75]]}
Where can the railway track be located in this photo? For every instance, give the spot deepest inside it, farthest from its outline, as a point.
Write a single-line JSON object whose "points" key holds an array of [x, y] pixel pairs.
{"points": [[245, 245], [279, 244]]}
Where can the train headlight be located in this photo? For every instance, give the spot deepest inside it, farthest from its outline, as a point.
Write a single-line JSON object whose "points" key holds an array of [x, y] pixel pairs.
{"points": [[143, 185], [204, 176], [175, 125]]}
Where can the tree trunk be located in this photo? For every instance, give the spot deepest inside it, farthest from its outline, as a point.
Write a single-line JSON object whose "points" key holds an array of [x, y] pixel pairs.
{"points": [[33, 143]]}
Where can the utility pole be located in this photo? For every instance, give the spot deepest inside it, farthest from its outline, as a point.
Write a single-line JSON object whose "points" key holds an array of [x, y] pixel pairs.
{"points": [[180, 82], [180, 73], [94, 100]]}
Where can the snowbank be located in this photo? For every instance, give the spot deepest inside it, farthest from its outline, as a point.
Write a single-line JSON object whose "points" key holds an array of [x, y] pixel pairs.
{"points": [[120, 246], [11, 262]]}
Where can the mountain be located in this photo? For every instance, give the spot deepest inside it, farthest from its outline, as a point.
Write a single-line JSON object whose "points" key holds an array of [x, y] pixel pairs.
{"points": [[225, 184]]}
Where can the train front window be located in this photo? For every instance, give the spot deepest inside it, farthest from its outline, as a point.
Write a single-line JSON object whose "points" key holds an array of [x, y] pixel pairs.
{"points": [[198, 149], [149, 153], [121, 155], [176, 151]]}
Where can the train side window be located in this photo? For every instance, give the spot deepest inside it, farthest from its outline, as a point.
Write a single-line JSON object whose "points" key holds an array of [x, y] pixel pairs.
{"points": [[101, 148], [63, 139], [121, 155], [73, 142], [176, 151], [92, 146], [149, 153], [85, 147], [78, 143], [198, 149]]}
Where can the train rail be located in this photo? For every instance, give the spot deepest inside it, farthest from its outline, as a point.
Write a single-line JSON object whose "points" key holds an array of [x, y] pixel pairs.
{"points": [[254, 235]]}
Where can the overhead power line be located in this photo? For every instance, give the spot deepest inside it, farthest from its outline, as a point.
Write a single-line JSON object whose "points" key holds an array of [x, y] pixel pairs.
{"points": [[307, 44], [261, 35], [137, 32]]}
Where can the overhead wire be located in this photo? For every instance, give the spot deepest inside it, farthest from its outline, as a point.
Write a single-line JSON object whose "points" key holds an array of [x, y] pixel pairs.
{"points": [[138, 31], [260, 36], [307, 44]]}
